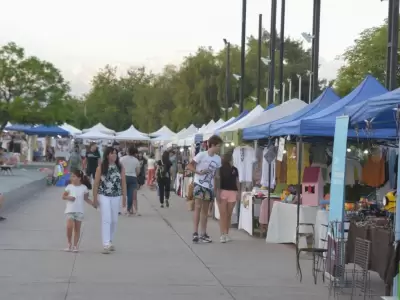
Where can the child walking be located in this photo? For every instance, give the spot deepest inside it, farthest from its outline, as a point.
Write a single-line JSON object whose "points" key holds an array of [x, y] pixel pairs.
{"points": [[76, 193]]}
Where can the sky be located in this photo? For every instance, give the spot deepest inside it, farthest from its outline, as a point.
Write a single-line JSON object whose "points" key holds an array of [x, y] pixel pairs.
{"points": [[80, 37]]}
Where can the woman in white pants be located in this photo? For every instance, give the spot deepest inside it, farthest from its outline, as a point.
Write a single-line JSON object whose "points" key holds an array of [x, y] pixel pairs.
{"points": [[109, 187]]}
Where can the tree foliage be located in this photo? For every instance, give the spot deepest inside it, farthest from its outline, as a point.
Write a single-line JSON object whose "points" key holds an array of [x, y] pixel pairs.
{"points": [[32, 91], [192, 93], [366, 56]]}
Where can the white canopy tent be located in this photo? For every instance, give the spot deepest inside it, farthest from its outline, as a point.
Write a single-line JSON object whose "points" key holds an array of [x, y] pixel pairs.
{"points": [[71, 129], [132, 130], [162, 131], [278, 112], [96, 135], [210, 132], [99, 127], [131, 135], [249, 118], [180, 138], [209, 127]]}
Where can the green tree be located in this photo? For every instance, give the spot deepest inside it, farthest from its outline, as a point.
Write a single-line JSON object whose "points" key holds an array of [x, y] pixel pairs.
{"points": [[32, 91], [366, 56], [192, 93]]}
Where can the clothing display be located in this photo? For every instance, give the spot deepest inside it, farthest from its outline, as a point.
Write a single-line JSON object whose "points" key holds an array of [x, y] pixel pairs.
{"points": [[281, 170], [392, 164], [373, 173], [243, 160], [265, 172], [354, 172], [292, 162]]}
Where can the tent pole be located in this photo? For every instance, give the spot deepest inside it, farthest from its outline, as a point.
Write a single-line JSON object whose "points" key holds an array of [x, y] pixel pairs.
{"points": [[299, 167]]}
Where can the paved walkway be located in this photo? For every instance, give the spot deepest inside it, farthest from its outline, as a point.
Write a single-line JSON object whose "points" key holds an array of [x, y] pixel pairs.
{"points": [[155, 259]]}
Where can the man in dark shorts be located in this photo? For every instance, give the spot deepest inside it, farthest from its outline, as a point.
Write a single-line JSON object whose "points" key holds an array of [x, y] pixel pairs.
{"points": [[92, 160], [204, 165]]}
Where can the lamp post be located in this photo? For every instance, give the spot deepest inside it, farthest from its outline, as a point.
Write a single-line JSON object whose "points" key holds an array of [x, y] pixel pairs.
{"points": [[289, 80], [272, 50], [260, 35], [243, 55], [266, 97], [237, 77], [315, 46], [394, 45], [310, 77], [282, 51], [283, 91], [228, 77], [276, 92], [299, 77]]}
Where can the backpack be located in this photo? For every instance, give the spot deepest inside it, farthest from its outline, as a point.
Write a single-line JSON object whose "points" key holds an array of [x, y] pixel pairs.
{"points": [[162, 173]]}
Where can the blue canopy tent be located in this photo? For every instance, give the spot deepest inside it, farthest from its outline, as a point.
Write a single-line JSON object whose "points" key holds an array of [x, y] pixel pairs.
{"points": [[18, 127], [323, 123], [327, 98], [378, 112], [43, 130]]}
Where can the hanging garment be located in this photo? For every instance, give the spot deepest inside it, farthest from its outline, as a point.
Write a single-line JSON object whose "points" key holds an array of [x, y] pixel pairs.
{"points": [[243, 160], [373, 173], [292, 162], [281, 169], [354, 172], [265, 172]]}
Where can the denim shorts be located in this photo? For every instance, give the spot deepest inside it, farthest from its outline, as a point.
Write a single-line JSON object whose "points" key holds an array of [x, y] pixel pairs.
{"points": [[75, 216]]}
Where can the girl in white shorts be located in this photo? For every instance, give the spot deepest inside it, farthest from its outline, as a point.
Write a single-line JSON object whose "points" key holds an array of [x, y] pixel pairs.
{"points": [[76, 193]]}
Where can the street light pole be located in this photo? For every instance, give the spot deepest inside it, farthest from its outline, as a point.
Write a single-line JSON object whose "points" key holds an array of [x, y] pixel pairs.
{"points": [[394, 45], [389, 45], [259, 58], [228, 77], [315, 48], [283, 91], [243, 55], [299, 77], [282, 51], [266, 97], [310, 78], [272, 50]]}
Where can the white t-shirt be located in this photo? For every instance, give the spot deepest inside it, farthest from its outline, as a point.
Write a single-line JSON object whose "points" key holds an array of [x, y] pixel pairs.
{"points": [[130, 163], [206, 162], [243, 160], [151, 162], [78, 192], [264, 174]]}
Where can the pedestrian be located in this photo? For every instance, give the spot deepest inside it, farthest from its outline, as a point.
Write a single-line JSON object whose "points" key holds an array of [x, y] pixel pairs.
{"points": [[109, 188], [75, 194], [151, 168], [163, 175], [92, 160], [75, 162], [131, 166], [142, 173], [204, 165], [226, 200]]}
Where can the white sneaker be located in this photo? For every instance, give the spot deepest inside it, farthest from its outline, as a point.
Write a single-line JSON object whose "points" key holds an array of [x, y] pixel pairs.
{"points": [[111, 247], [106, 250], [227, 238], [222, 239]]}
